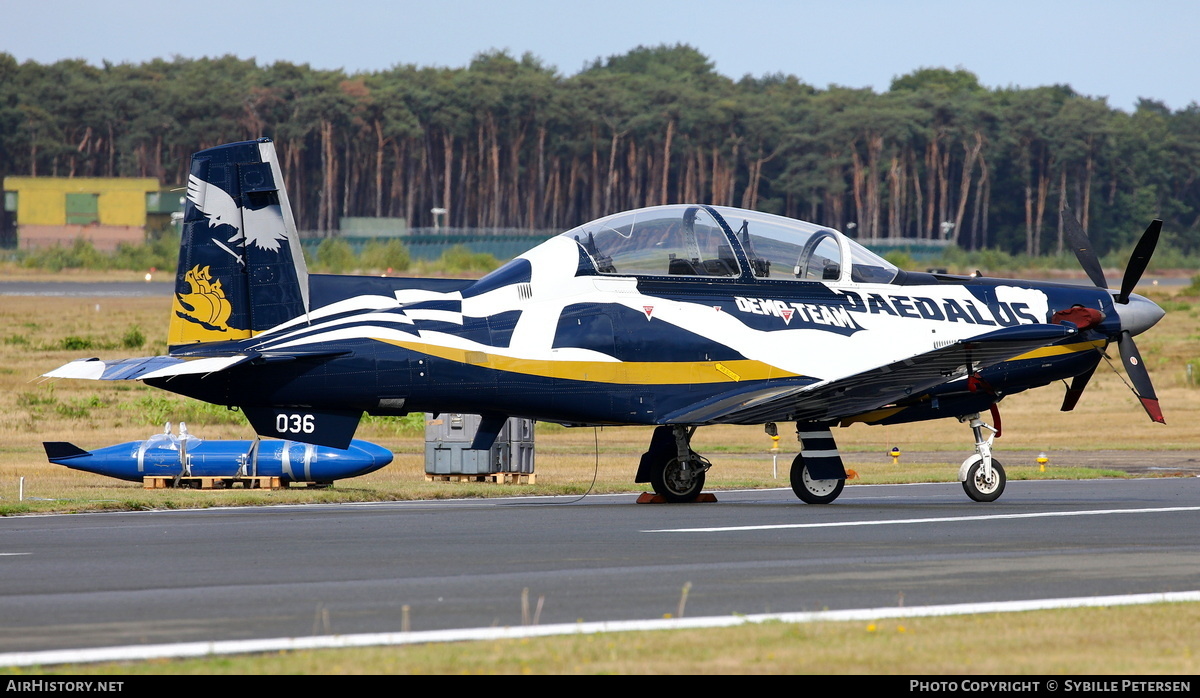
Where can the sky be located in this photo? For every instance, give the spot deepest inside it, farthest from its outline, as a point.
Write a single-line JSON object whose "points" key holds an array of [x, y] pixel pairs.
{"points": [[1120, 50]]}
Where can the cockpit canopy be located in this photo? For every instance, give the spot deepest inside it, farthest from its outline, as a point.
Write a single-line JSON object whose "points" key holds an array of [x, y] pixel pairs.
{"points": [[717, 241]]}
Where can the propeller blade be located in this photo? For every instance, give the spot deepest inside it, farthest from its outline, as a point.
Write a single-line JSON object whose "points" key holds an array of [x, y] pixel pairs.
{"points": [[1079, 242], [1136, 369], [1075, 391], [1141, 257]]}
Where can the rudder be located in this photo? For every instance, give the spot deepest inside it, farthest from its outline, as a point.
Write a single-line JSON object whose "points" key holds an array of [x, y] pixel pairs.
{"points": [[241, 269]]}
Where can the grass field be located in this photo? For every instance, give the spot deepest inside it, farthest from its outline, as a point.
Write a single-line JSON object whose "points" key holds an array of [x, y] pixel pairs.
{"points": [[1141, 641], [39, 334]]}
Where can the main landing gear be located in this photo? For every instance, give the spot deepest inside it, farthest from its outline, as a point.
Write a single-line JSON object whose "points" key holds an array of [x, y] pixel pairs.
{"points": [[811, 490], [817, 476], [672, 468], [981, 475], [676, 472]]}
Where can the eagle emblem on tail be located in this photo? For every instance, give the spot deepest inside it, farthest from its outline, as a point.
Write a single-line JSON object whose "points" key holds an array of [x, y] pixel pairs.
{"points": [[262, 227]]}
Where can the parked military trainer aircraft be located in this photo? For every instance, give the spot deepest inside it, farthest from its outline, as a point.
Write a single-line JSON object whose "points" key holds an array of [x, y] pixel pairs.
{"points": [[677, 316]]}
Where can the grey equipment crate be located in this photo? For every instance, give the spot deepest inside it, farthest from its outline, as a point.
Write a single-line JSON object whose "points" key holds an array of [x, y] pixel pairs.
{"points": [[448, 449]]}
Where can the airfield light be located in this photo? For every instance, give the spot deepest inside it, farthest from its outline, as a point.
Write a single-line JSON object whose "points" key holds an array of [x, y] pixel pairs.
{"points": [[895, 454], [1042, 460]]}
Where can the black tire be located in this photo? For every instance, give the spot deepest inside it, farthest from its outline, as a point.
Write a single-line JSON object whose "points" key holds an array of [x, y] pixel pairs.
{"points": [[675, 484], [981, 490], [812, 491]]}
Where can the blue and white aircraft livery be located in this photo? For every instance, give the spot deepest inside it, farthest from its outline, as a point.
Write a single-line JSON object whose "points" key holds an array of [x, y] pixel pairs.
{"points": [[676, 316]]}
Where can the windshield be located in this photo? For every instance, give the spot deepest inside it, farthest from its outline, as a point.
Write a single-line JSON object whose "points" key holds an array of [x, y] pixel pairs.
{"points": [[688, 240]]}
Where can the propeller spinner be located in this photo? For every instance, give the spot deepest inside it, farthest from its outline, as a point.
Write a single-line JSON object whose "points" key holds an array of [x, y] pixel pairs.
{"points": [[1137, 313]]}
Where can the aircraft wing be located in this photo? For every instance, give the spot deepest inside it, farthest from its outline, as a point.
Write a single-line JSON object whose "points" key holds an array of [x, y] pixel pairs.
{"points": [[834, 399]]}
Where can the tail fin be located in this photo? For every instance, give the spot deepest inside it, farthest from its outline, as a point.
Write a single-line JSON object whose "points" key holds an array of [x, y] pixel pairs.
{"points": [[58, 451], [241, 269]]}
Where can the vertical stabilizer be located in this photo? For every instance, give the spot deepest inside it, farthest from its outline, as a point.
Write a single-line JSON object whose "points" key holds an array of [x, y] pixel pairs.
{"points": [[241, 269]]}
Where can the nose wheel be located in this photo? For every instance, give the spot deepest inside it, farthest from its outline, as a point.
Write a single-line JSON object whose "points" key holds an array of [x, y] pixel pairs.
{"points": [[981, 475], [980, 485]]}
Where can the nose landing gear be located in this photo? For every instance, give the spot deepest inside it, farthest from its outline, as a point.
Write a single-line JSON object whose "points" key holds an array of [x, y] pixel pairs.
{"points": [[981, 475]]}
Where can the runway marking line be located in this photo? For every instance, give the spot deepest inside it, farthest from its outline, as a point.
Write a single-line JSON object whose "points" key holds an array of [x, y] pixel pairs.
{"points": [[287, 644], [942, 519]]}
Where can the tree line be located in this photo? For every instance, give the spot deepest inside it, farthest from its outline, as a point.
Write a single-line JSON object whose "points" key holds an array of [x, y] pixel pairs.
{"points": [[509, 142]]}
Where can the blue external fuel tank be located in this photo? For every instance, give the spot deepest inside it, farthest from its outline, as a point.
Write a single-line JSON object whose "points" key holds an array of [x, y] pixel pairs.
{"points": [[187, 455]]}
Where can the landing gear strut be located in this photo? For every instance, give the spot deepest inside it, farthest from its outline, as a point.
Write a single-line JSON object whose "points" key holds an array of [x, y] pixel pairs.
{"points": [[672, 468], [981, 475]]}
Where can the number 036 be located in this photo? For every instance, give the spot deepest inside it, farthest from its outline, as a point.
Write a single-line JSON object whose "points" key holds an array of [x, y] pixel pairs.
{"points": [[295, 423]]}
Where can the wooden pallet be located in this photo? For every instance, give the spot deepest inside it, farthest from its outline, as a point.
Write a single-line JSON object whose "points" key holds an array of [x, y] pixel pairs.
{"points": [[498, 478], [157, 482]]}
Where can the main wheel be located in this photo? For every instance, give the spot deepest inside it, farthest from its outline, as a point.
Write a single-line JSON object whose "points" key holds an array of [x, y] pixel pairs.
{"points": [[982, 489], [675, 483], [812, 491]]}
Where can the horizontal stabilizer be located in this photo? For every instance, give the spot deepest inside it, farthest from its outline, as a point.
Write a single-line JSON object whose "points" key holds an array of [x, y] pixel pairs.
{"points": [[170, 366], [199, 366], [144, 368], [57, 451], [120, 369]]}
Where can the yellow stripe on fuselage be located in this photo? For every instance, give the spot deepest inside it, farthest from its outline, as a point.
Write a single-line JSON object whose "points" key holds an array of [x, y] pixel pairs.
{"points": [[1061, 350], [655, 372], [627, 372]]}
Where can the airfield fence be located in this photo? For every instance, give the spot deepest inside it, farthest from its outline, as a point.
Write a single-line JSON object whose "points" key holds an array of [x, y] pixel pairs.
{"points": [[431, 243], [506, 243]]}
